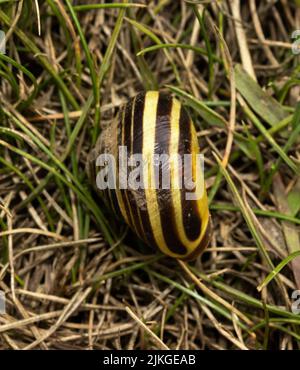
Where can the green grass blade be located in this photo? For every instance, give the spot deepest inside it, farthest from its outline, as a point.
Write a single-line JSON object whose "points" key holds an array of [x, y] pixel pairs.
{"points": [[41, 58], [208, 115], [86, 7], [271, 140], [264, 105], [90, 62], [180, 46], [157, 40], [277, 269]]}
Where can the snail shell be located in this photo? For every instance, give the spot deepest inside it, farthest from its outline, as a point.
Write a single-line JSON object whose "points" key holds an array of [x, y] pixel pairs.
{"points": [[156, 123]]}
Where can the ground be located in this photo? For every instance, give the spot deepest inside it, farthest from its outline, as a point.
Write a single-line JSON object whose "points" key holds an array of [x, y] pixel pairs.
{"points": [[73, 274]]}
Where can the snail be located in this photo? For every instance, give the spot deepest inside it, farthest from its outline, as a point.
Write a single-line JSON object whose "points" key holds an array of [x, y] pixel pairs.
{"points": [[164, 201]]}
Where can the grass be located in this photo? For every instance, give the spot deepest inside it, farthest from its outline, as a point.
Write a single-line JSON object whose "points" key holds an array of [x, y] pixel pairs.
{"points": [[75, 277]]}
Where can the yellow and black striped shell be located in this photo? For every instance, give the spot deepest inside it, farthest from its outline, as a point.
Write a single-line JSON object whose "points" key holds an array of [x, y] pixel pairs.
{"points": [[156, 123]]}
